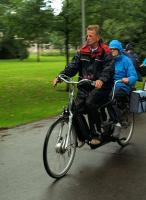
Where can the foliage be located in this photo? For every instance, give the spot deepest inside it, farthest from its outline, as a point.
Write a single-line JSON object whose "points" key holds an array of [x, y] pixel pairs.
{"points": [[34, 21], [57, 40], [121, 19], [28, 21], [10, 45], [13, 48], [67, 25]]}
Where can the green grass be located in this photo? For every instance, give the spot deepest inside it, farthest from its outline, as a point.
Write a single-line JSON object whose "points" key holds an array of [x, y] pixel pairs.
{"points": [[26, 92]]}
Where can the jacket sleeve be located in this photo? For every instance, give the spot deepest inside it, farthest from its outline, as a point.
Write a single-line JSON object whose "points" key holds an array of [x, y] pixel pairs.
{"points": [[131, 72], [72, 68], [108, 69]]}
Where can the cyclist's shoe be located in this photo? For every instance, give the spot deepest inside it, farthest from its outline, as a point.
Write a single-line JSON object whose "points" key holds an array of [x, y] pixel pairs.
{"points": [[95, 141], [94, 146], [117, 130]]}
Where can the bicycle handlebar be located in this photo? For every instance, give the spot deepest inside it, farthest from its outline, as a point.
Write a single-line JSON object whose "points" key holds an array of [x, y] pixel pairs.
{"points": [[64, 78], [61, 76]]}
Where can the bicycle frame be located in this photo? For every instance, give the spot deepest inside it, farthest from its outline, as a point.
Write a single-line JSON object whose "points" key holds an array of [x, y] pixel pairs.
{"points": [[71, 98]]}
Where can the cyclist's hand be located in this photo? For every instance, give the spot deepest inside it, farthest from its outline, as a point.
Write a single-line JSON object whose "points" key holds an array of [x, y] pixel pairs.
{"points": [[125, 80], [55, 81], [98, 84]]}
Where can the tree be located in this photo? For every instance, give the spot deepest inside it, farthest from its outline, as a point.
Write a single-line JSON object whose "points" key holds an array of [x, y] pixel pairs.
{"points": [[10, 46], [123, 20], [34, 19], [67, 24]]}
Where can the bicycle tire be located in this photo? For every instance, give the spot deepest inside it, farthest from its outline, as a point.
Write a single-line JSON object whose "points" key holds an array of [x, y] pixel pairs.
{"points": [[58, 160], [126, 131]]}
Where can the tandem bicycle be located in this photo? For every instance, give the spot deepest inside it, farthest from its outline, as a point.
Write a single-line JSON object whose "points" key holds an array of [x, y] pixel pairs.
{"points": [[66, 134]]}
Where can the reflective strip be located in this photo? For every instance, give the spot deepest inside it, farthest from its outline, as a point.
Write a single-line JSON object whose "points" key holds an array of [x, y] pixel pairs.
{"points": [[85, 59], [98, 60]]}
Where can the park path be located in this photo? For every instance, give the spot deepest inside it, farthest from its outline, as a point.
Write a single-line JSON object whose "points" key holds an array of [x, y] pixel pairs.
{"points": [[107, 173]]}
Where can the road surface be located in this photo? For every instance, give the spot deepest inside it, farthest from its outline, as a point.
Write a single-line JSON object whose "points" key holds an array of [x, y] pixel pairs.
{"points": [[107, 173]]}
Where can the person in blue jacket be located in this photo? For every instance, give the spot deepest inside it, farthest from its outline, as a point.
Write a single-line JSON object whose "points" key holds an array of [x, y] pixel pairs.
{"points": [[143, 67], [124, 68], [124, 71], [143, 63]]}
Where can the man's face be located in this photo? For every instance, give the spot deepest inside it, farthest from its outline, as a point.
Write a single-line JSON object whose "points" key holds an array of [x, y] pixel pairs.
{"points": [[114, 52], [92, 38]]}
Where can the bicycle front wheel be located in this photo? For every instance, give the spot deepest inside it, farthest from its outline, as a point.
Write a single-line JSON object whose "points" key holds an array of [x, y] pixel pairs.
{"points": [[58, 158], [126, 130]]}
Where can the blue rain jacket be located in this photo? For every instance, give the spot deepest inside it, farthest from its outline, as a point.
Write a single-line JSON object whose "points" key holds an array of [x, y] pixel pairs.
{"points": [[124, 68], [144, 62]]}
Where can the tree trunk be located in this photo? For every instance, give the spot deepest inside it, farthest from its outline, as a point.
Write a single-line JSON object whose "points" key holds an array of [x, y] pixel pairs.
{"points": [[67, 54], [38, 52], [67, 48]]}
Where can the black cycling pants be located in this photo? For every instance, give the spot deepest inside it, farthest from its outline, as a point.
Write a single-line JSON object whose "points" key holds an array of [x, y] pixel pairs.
{"points": [[88, 102]]}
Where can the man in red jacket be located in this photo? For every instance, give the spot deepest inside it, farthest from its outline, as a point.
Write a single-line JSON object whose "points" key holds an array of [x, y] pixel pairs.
{"points": [[94, 62]]}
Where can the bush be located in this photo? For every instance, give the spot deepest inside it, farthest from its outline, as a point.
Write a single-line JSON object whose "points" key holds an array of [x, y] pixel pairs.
{"points": [[11, 48]]}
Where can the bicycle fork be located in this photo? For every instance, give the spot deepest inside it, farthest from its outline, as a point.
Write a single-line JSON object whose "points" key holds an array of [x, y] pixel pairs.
{"points": [[69, 130], [62, 144]]}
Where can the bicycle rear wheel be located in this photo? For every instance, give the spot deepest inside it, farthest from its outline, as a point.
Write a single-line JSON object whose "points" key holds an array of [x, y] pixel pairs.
{"points": [[58, 159], [126, 130]]}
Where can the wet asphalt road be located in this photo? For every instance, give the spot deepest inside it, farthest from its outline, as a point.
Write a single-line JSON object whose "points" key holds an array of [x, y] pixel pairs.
{"points": [[107, 173]]}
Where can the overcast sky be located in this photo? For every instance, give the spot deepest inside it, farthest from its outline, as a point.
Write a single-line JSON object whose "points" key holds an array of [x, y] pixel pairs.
{"points": [[56, 5]]}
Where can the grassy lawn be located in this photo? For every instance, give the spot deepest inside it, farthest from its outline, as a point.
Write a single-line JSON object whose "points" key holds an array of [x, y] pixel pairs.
{"points": [[26, 92]]}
